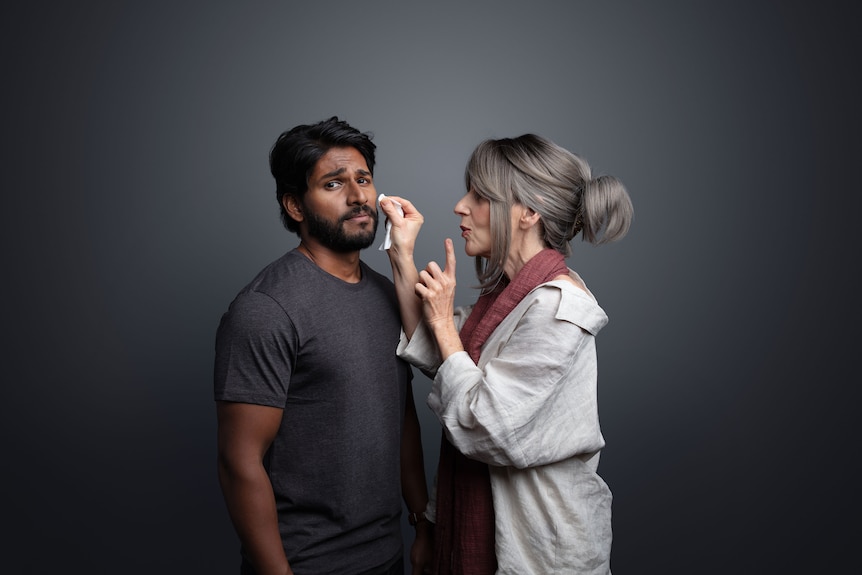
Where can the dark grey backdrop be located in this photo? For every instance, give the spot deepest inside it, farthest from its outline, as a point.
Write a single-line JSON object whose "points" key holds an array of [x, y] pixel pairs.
{"points": [[137, 201]]}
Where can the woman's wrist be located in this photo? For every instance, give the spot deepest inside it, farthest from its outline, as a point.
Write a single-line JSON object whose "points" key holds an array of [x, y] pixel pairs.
{"points": [[448, 340], [401, 258]]}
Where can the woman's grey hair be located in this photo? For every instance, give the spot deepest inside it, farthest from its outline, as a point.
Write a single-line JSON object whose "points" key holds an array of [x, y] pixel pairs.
{"points": [[553, 182]]}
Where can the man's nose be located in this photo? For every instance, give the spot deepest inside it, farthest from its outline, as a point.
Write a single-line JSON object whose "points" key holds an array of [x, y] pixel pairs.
{"points": [[356, 194]]}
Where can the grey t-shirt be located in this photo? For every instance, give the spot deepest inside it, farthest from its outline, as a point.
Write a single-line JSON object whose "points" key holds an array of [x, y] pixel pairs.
{"points": [[323, 349]]}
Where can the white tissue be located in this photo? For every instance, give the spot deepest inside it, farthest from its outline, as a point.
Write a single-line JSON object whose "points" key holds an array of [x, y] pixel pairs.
{"points": [[387, 240]]}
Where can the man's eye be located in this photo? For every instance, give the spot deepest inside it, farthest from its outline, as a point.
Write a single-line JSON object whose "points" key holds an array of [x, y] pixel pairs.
{"points": [[364, 180], [330, 185]]}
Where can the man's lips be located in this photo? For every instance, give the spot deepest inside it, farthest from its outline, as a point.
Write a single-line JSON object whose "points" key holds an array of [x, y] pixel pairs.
{"points": [[362, 215], [465, 231]]}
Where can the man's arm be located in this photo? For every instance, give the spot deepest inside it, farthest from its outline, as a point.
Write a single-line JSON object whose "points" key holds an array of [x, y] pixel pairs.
{"points": [[245, 432], [414, 487]]}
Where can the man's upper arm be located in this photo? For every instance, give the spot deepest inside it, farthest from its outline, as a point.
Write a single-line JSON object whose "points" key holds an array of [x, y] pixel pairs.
{"points": [[246, 430]]}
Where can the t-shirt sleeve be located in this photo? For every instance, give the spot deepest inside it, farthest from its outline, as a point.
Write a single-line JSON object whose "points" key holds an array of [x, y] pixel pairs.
{"points": [[254, 354]]}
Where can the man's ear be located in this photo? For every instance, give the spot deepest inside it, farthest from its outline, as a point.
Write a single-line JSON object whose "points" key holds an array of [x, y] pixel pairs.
{"points": [[292, 207]]}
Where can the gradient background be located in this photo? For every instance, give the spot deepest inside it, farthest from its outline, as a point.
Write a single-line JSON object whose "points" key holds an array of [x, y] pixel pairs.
{"points": [[137, 201]]}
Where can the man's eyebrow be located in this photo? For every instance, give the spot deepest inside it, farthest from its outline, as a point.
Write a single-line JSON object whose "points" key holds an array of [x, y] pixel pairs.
{"points": [[333, 173], [340, 171]]}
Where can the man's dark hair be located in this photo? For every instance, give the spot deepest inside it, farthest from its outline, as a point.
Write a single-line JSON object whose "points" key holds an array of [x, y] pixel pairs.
{"points": [[297, 151]]}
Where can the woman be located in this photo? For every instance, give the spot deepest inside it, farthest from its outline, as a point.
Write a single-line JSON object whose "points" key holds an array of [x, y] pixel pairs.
{"points": [[514, 376]]}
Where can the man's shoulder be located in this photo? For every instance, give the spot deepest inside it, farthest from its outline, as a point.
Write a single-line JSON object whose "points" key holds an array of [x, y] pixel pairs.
{"points": [[292, 280], [270, 283], [285, 268]]}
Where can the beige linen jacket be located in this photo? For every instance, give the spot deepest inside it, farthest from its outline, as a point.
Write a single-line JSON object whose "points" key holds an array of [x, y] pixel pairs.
{"points": [[529, 410]]}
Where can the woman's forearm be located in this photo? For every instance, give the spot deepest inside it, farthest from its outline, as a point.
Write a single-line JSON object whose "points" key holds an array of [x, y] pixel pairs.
{"points": [[406, 223], [405, 276]]}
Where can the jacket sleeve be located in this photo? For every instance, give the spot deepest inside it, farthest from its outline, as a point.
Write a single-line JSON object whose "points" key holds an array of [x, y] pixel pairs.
{"points": [[532, 398]]}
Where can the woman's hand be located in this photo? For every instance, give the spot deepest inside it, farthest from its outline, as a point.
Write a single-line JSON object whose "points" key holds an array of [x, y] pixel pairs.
{"points": [[436, 289], [405, 228]]}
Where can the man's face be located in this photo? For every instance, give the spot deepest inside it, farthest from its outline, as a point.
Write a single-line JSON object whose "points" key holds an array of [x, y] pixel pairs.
{"points": [[340, 206]]}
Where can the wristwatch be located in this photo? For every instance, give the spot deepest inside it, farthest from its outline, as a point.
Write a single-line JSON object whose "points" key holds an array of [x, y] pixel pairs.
{"points": [[416, 518]]}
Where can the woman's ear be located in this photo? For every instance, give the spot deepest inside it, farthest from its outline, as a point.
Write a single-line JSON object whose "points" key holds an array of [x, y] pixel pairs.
{"points": [[292, 207], [528, 218]]}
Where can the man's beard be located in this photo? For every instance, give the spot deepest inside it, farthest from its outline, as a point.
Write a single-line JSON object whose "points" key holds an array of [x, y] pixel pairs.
{"points": [[333, 236]]}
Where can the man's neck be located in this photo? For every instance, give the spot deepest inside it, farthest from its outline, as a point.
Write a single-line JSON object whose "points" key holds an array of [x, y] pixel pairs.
{"points": [[344, 266]]}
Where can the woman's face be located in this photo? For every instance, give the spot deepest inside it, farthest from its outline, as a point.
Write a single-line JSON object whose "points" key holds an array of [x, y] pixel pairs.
{"points": [[475, 212]]}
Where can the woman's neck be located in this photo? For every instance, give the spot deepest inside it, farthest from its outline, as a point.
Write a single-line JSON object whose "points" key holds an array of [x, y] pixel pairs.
{"points": [[520, 253]]}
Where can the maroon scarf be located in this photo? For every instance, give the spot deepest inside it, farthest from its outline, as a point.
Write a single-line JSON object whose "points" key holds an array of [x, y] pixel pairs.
{"points": [[464, 533]]}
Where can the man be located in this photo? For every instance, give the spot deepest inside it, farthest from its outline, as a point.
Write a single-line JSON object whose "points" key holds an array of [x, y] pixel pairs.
{"points": [[318, 437]]}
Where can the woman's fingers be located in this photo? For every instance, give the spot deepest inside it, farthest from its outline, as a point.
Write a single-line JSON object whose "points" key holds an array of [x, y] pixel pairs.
{"points": [[406, 205], [450, 258], [391, 210], [389, 207], [434, 282], [433, 270]]}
